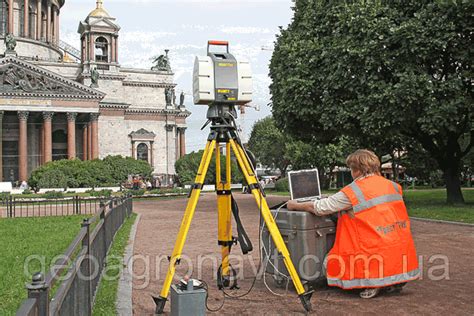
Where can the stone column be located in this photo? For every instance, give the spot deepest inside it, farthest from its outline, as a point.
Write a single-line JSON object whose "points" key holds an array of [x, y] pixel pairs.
{"points": [[48, 22], [133, 150], [95, 134], [85, 139], [39, 20], [89, 141], [91, 47], [42, 145], [48, 136], [23, 146], [26, 26], [71, 135], [116, 49], [182, 142], [55, 25], [1, 146], [152, 155], [112, 49], [10, 17]]}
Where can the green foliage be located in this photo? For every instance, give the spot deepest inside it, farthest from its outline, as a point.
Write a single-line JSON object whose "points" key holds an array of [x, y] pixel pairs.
{"points": [[269, 144], [111, 171], [272, 148], [100, 193], [53, 195], [381, 72], [282, 185], [138, 192], [188, 165], [27, 191]]}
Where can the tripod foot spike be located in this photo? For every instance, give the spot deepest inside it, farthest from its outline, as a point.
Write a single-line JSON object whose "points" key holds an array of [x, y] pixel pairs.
{"points": [[160, 304], [306, 300]]}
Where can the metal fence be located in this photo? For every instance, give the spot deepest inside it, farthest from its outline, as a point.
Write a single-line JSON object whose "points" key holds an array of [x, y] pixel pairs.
{"points": [[80, 268], [11, 206]]}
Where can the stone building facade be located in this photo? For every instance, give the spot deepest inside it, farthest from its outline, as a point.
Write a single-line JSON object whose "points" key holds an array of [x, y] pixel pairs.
{"points": [[53, 106]]}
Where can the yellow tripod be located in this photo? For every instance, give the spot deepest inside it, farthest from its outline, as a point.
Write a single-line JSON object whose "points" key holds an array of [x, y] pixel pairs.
{"points": [[223, 132]]}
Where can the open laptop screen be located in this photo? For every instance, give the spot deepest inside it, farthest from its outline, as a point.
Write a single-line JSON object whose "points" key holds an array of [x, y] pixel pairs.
{"points": [[304, 184]]}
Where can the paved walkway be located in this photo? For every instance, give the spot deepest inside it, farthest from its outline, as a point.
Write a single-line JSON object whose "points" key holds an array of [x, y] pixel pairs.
{"points": [[159, 225]]}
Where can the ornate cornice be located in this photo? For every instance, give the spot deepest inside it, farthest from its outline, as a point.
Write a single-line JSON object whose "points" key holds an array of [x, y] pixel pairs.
{"points": [[148, 84], [105, 76], [113, 105]]}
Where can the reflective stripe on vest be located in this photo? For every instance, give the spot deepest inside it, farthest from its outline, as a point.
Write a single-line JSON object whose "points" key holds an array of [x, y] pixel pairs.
{"points": [[394, 279], [363, 204]]}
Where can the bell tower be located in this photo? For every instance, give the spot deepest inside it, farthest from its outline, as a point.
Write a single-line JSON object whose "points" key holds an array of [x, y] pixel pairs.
{"points": [[99, 42]]}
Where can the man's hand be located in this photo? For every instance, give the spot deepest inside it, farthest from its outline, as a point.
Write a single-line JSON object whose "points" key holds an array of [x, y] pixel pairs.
{"points": [[293, 205]]}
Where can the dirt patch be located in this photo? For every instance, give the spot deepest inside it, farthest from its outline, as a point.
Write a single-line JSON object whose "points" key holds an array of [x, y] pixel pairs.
{"points": [[159, 226]]}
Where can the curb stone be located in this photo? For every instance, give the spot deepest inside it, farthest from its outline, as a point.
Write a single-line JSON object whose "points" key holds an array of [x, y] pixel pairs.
{"points": [[124, 292], [440, 221]]}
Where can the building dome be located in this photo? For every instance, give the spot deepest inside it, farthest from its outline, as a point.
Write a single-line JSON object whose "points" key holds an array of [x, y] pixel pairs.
{"points": [[99, 11]]}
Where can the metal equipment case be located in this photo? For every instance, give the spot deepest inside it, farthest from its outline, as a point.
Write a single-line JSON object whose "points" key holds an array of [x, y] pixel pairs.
{"points": [[308, 238], [185, 303]]}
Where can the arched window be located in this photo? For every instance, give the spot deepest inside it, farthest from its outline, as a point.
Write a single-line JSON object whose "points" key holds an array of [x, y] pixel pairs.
{"points": [[142, 152], [101, 50], [3, 17]]}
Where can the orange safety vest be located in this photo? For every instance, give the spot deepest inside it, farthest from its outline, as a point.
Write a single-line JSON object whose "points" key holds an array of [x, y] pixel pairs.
{"points": [[374, 246]]}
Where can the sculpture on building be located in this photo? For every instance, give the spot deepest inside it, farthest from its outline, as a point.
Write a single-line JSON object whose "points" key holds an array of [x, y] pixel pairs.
{"points": [[168, 96], [94, 78], [10, 43], [162, 62], [181, 100]]}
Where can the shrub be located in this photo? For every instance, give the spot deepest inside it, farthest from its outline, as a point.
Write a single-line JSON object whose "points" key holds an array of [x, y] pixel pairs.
{"points": [[282, 185], [102, 193], [53, 194], [111, 171], [138, 192], [27, 191]]}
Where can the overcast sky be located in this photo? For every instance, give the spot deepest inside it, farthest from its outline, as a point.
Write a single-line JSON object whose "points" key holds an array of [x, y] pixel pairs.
{"points": [[184, 26]]}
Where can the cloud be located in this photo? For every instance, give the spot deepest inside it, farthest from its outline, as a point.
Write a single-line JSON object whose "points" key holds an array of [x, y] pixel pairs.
{"points": [[245, 30]]}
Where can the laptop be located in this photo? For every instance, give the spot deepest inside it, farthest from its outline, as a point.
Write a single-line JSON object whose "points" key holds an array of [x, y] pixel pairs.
{"points": [[304, 185]]}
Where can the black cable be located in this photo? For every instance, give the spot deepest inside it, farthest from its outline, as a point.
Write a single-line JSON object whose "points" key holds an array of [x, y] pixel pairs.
{"points": [[206, 287]]}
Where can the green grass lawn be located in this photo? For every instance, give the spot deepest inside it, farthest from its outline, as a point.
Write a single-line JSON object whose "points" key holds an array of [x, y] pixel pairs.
{"points": [[107, 294], [430, 204], [44, 237]]}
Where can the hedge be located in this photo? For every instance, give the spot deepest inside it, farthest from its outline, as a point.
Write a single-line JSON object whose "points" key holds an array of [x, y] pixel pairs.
{"points": [[111, 171]]}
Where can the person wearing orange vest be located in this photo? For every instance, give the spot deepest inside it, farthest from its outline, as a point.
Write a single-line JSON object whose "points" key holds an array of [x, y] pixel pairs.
{"points": [[374, 248]]}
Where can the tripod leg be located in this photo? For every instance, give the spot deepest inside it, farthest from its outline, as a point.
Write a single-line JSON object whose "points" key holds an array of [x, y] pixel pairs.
{"points": [[223, 189], [251, 179], [186, 222]]}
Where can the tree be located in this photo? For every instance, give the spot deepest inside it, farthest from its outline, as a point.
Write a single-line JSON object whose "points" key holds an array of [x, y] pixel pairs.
{"points": [[188, 165], [273, 148], [377, 70], [269, 144]]}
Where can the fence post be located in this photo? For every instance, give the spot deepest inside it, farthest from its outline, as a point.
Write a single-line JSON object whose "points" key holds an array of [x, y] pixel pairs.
{"points": [[87, 273], [76, 207], [10, 206], [39, 290]]}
